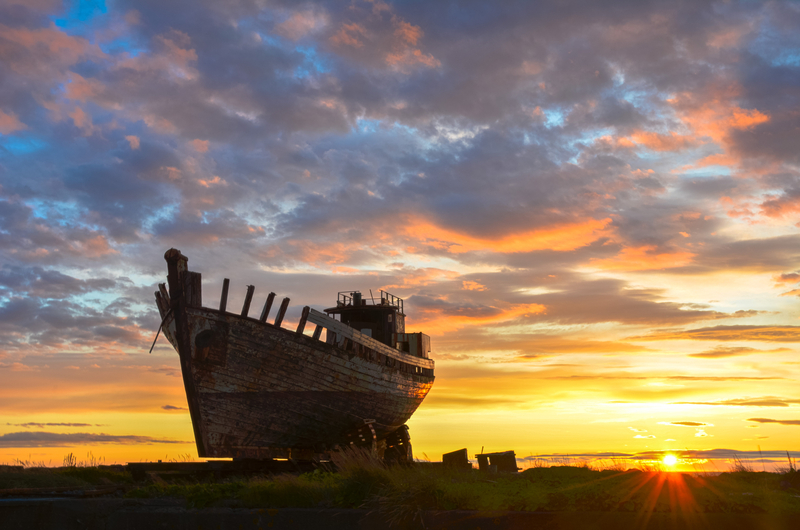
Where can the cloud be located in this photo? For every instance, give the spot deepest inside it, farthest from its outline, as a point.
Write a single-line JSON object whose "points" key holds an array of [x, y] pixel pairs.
{"points": [[686, 423], [301, 23], [729, 333], [466, 402], [53, 439], [733, 351], [9, 123], [172, 407], [43, 425], [746, 402], [781, 422], [19, 367], [788, 277], [133, 141]]}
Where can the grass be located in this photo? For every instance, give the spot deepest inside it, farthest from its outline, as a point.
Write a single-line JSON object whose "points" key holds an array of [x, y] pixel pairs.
{"points": [[402, 494], [73, 474]]}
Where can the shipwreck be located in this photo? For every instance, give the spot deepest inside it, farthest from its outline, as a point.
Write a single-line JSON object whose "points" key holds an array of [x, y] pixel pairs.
{"points": [[258, 390]]}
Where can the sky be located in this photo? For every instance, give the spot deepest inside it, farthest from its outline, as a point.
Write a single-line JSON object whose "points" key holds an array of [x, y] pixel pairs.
{"points": [[591, 207]]}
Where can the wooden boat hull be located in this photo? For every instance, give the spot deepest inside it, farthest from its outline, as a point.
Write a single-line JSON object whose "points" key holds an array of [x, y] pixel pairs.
{"points": [[256, 390]]}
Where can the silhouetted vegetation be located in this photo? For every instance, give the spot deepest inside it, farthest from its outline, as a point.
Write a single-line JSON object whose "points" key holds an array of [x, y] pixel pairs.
{"points": [[403, 493]]}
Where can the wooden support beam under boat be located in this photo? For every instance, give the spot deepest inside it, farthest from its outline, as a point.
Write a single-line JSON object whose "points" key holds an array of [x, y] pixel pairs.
{"points": [[302, 325], [281, 312], [267, 307], [317, 332], [247, 299], [223, 300]]}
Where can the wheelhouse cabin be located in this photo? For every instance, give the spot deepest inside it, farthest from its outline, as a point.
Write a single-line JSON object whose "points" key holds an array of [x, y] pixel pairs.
{"points": [[382, 319]]}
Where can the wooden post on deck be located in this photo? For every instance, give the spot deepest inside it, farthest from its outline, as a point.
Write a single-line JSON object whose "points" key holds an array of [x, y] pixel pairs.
{"points": [[281, 312], [302, 325], [223, 300], [247, 299], [267, 307]]}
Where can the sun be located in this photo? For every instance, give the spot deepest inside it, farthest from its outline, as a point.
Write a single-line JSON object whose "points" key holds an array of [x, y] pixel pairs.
{"points": [[670, 460]]}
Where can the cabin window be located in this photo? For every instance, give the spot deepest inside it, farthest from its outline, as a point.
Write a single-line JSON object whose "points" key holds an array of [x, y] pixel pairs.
{"points": [[390, 317]]}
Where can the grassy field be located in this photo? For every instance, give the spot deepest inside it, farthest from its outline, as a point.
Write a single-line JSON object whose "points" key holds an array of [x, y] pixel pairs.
{"points": [[402, 493]]}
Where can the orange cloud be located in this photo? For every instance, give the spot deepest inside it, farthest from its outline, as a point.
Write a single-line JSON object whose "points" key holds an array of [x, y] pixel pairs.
{"points": [[564, 237], [159, 124], [404, 54], [472, 286], [82, 121], [81, 89], [93, 247], [408, 32], [777, 207], [729, 37], [301, 24], [644, 258], [173, 57], [212, 182], [10, 123], [201, 146], [45, 44], [348, 35], [311, 253], [715, 115], [739, 209], [408, 58], [729, 333], [787, 277], [133, 140], [444, 321], [664, 142], [422, 277]]}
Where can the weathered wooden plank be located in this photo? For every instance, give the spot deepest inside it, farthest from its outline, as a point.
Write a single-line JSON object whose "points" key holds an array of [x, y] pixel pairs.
{"points": [[192, 288], [317, 332], [267, 307], [223, 299], [304, 364], [247, 299], [281, 312], [163, 305], [260, 346], [162, 288], [303, 317]]}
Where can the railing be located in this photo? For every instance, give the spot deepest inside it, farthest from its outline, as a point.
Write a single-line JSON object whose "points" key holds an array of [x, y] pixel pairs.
{"points": [[392, 300], [345, 299]]}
